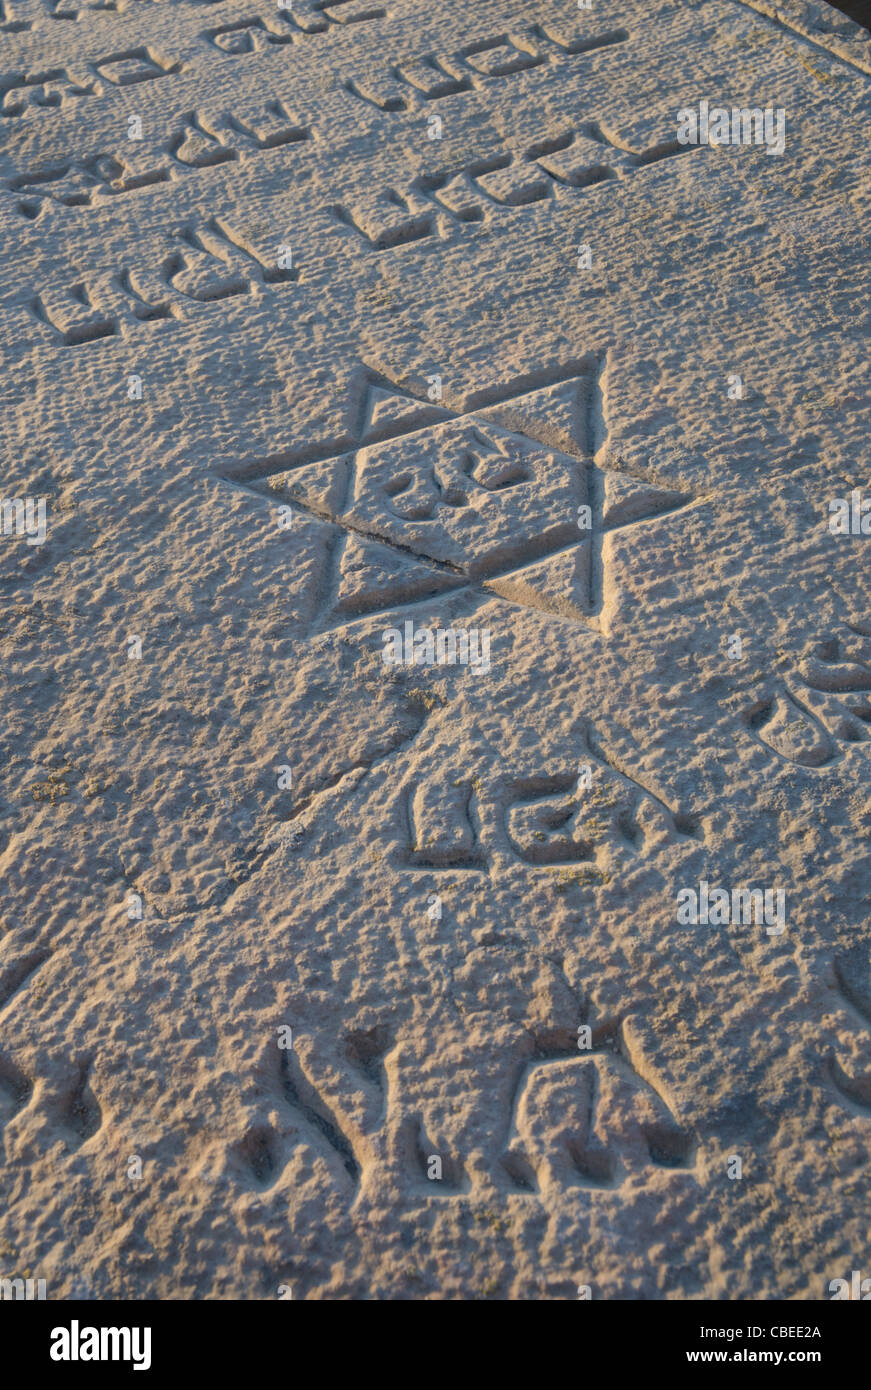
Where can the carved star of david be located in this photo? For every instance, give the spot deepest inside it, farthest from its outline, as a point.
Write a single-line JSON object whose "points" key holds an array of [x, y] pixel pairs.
{"points": [[510, 499]]}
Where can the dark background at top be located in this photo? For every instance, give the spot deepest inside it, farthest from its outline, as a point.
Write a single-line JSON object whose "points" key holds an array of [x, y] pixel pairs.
{"points": [[860, 10]]}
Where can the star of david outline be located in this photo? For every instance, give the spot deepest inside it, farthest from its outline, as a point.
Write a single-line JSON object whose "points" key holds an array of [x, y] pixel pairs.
{"points": [[517, 411]]}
